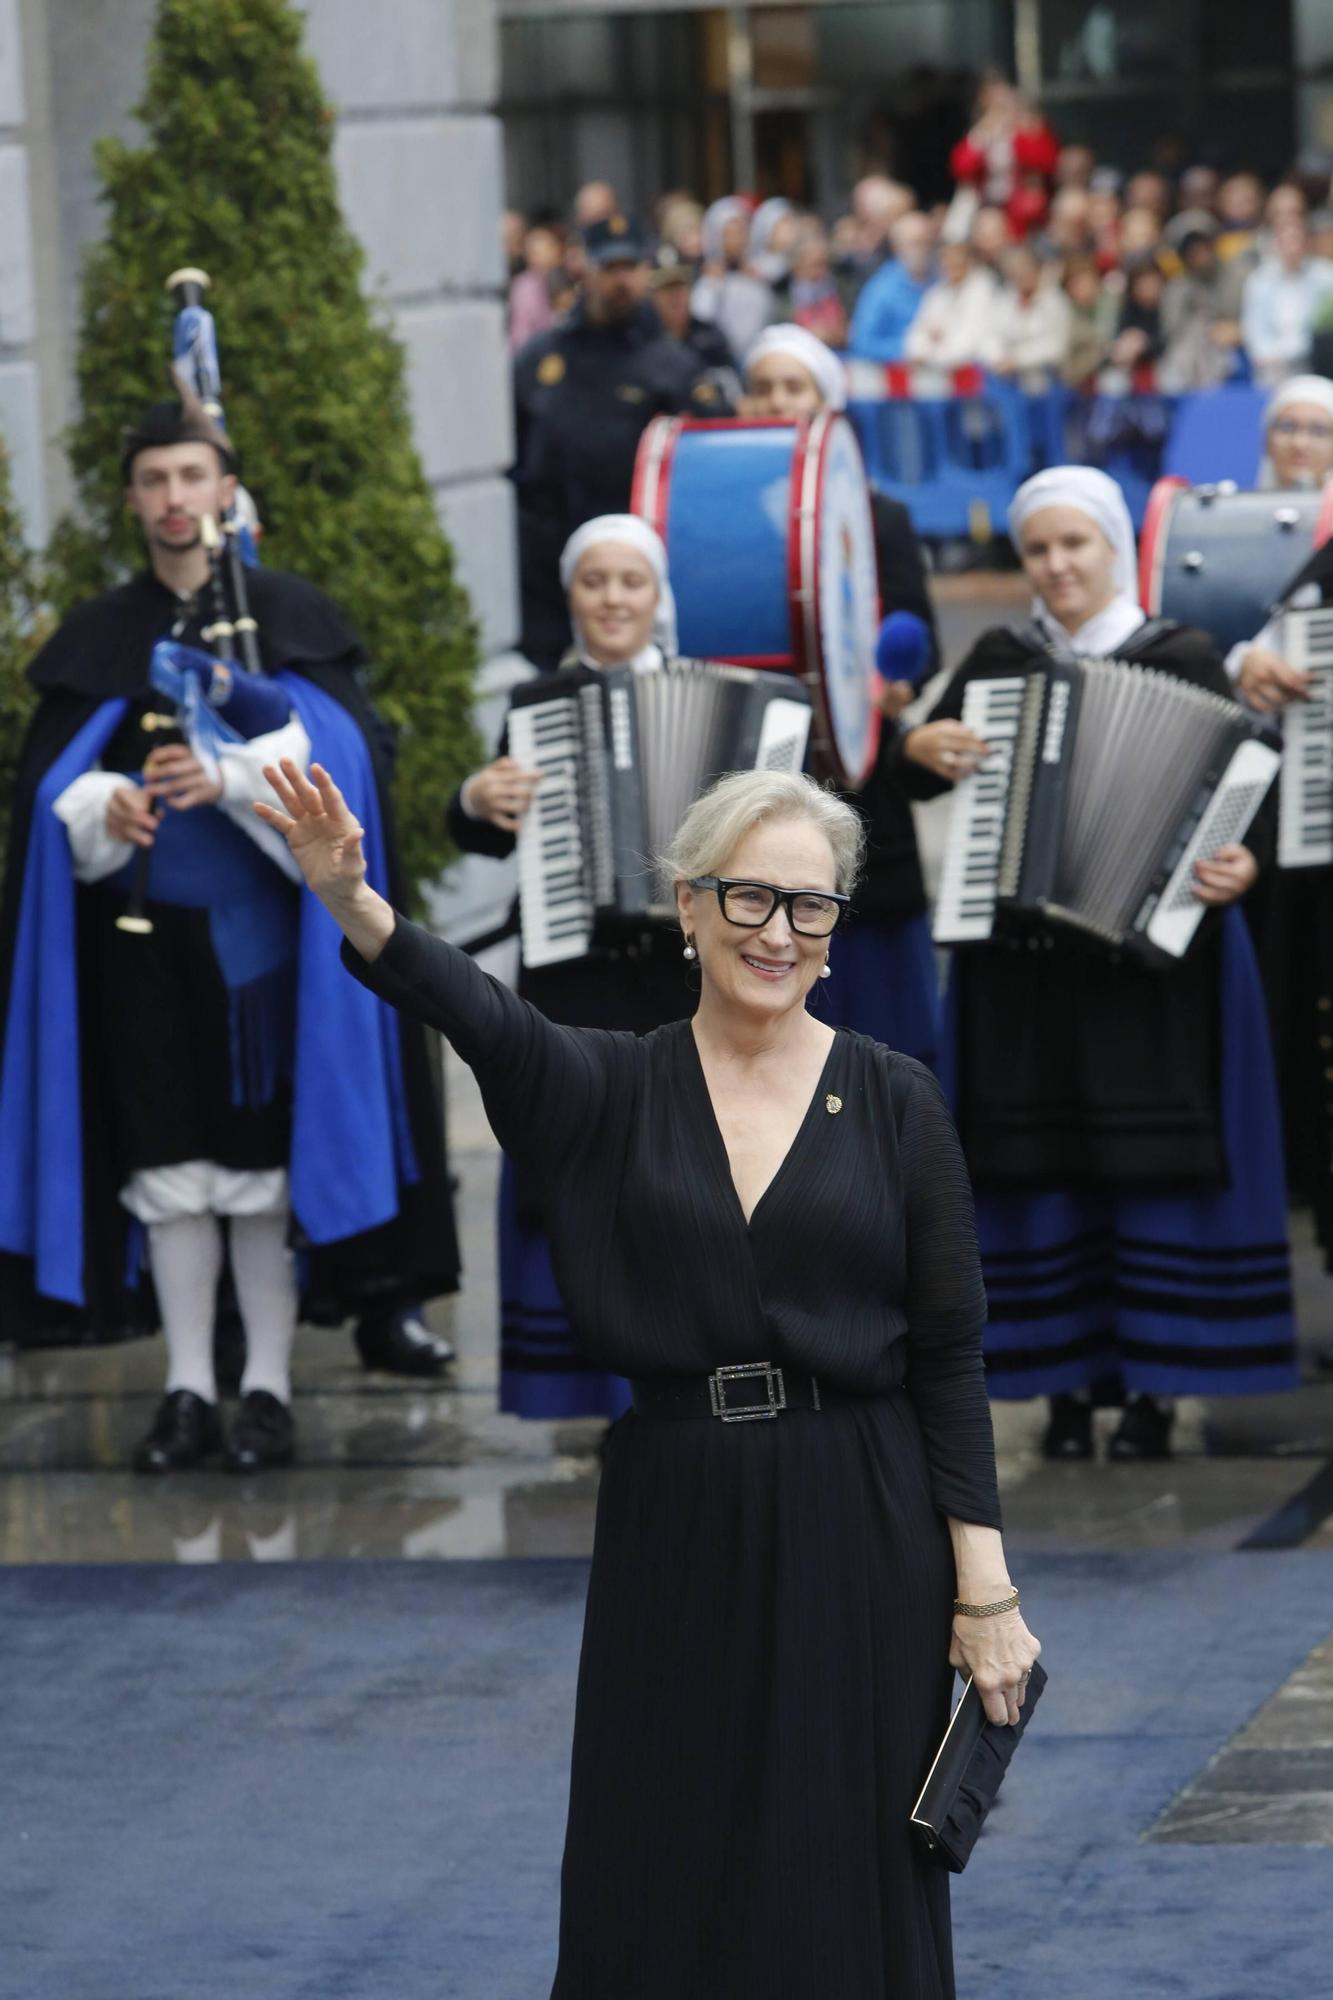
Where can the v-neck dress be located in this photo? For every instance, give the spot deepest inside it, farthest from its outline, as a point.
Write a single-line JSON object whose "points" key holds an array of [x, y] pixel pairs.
{"points": [[764, 1675]]}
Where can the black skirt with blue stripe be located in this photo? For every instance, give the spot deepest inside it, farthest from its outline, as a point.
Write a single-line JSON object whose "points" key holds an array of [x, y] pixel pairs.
{"points": [[1169, 1290]]}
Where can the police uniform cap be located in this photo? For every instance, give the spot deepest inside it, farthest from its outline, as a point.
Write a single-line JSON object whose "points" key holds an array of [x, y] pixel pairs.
{"points": [[617, 240]]}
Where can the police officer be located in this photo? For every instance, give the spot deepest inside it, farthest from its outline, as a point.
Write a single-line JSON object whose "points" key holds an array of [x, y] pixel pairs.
{"points": [[672, 287], [584, 392]]}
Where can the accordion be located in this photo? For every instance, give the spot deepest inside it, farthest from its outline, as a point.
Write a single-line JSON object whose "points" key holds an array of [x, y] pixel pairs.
{"points": [[1105, 783], [622, 757], [1305, 802]]}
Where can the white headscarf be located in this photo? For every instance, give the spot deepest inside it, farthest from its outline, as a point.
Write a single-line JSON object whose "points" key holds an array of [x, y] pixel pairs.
{"points": [[629, 530], [1316, 389], [771, 265], [807, 348], [716, 217], [1095, 494]]}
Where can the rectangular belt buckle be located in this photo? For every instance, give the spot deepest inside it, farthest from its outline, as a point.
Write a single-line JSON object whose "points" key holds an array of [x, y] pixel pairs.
{"points": [[773, 1383]]}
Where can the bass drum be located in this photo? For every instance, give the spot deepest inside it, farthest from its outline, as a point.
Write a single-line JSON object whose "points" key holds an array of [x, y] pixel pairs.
{"points": [[1218, 558], [771, 543]]}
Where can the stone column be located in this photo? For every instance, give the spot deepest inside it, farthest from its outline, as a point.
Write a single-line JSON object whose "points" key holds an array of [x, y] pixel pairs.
{"points": [[421, 175], [22, 421]]}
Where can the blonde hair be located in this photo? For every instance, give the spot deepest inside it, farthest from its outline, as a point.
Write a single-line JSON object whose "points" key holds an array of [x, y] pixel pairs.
{"points": [[718, 821]]}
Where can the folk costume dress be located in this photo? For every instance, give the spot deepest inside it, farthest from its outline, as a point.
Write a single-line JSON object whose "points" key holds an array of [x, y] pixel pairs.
{"points": [[1120, 1122], [764, 1674], [1292, 922], [219, 1042], [884, 979], [633, 978]]}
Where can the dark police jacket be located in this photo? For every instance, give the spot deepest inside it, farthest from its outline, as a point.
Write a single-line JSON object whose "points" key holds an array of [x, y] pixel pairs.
{"points": [[584, 394]]}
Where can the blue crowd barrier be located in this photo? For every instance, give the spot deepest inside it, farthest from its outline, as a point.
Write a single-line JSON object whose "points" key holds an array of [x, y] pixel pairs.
{"points": [[955, 461]]}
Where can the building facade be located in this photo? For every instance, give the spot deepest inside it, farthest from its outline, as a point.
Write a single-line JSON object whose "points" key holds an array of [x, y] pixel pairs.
{"points": [[800, 97]]}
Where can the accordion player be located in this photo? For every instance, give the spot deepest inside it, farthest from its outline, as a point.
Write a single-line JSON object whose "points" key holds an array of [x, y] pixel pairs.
{"points": [[622, 755], [1119, 1116], [1106, 781]]}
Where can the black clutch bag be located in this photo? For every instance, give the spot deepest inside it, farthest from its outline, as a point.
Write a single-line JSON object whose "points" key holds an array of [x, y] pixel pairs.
{"points": [[969, 1764]]}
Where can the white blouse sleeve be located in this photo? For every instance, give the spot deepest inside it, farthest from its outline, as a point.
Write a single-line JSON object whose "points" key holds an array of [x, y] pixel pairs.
{"points": [[243, 781], [82, 808]]}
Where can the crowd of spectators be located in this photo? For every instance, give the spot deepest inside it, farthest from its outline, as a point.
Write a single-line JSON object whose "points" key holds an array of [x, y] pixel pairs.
{"points": [[1045, 266]]}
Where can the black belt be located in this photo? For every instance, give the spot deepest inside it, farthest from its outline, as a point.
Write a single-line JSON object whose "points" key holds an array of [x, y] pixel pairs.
{"points": [[737, 1395]]}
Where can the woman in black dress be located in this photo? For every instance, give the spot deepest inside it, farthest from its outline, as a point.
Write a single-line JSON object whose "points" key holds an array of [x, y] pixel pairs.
{"points": [[614, 572], [756, 1216], [1119, 1120]]}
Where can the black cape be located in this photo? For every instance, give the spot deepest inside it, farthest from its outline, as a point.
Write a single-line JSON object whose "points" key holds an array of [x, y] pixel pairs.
{"points": [[100, 652]]}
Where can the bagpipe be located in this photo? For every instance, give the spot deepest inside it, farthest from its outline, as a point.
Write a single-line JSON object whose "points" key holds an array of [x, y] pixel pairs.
{"points": [[220, 696]]}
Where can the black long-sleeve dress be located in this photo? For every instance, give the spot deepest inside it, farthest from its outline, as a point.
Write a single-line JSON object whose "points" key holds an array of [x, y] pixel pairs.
{"points": [[764, 1674]]}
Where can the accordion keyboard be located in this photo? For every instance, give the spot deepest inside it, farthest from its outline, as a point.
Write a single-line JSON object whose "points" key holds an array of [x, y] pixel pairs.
{"points": [[555, 902], [1232, 808], [1305, 802], [965, 905]]}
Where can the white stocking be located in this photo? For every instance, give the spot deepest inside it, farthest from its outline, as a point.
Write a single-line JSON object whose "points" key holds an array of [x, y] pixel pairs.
{"points": [[186, 1257], [265, 1274]]}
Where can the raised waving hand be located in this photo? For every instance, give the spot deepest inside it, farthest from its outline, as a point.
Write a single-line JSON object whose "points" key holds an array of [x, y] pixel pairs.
{"points": [[326, 836]]}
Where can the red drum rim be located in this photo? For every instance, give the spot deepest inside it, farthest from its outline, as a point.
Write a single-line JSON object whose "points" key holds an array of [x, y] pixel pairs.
{"points": [[1323, 526], [651, 485], [1152, 540], [810, 455]]}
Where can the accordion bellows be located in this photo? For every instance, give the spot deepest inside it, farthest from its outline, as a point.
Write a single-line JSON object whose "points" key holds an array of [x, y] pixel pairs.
{"points": [[1105, 783], [623, 756]]}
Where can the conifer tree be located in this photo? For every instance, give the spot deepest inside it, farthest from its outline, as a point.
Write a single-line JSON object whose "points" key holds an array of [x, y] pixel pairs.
{"points": [[236, 174], [22, 628]]}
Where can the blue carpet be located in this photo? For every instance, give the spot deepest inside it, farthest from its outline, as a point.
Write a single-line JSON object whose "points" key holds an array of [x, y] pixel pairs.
{"points": [[347, 1782]]}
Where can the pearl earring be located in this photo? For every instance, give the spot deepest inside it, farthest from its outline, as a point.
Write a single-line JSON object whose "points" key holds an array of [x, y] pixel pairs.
{"points": [[825, 970], [689, 951]]}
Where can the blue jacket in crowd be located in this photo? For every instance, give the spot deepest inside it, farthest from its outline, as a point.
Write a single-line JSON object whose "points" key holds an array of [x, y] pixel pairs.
{"points": [[886, 308]]}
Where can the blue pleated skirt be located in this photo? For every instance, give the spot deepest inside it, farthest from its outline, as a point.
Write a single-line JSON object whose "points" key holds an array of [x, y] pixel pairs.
{"points": [[884, 982], [1169, 1294], [542, 1373]]}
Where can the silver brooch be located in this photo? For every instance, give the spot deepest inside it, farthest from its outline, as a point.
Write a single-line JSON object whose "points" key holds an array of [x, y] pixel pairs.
{"points": [[833, 1104]]}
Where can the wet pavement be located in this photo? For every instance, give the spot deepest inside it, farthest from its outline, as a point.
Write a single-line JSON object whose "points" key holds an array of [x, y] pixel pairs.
{"points": [[434, 1472], [394, 1468]]}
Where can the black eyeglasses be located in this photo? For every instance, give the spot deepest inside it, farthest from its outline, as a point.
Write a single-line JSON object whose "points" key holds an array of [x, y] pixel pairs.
{"points": [[812, 912]]}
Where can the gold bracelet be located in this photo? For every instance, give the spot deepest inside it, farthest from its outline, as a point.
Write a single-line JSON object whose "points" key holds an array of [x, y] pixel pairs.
{"points": [[1010, 1603]]}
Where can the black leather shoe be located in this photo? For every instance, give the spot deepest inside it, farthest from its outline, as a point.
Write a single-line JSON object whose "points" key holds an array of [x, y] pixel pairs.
{"points": [[1069, 1430], [400, 1343], [186, 1431], [1143, 1432], [262, 1435]]}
